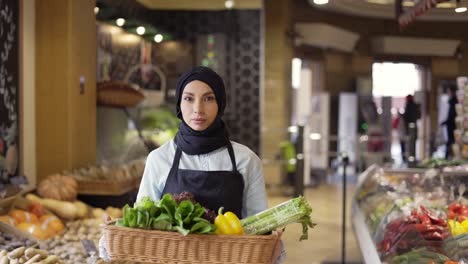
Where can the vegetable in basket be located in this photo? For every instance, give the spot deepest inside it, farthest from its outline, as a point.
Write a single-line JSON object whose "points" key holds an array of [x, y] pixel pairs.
{"points": [[167, 215], [296, 210], [228, 224]]}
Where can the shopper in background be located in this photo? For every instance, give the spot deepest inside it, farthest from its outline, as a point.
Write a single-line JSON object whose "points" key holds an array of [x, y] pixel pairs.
{"points": [[450, 121], [402, 135], [411, 116], [201, 159]]}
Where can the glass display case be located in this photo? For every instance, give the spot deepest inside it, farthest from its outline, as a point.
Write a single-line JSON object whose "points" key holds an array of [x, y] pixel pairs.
{"points": [[403, 216]]}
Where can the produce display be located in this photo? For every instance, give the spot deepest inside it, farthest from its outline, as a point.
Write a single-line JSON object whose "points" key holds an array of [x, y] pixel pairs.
{"points": [[58, 187], [414, 216], [407, 233], [439, 163], [28, 255], [421, 256], [66, 210], [9, 242], [34, 220], [68, 245], [64, 230], [131, 170]]}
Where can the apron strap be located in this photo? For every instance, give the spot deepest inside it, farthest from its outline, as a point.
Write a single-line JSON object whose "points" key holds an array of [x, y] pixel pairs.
{"points": [[175, 163], [232, 156]]}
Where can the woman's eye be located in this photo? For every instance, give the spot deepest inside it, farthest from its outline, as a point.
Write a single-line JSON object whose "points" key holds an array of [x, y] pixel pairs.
{"points": [[188, 99], [209, 98]]}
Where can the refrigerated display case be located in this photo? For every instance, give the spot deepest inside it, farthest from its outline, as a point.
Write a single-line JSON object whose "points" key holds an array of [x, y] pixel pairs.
{"points": [[400, 215]]}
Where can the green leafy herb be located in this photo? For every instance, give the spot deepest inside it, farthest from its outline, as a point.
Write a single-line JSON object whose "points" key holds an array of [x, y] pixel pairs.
{"points": [[166, 215]]}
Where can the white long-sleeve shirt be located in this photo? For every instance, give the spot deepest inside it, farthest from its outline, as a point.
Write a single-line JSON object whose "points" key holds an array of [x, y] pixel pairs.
{"points": [[159, 163]]}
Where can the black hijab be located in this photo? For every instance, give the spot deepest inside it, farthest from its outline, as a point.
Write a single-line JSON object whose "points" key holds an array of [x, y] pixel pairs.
{"points": [[194, 142]]}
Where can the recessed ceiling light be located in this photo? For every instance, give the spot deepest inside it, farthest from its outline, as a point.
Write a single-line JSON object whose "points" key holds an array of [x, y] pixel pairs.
{"points": [[158, 38], [446, 5], [460, 9], [140, 30], [380, 2], [229, 4], [120, 22], [320, 2], [408, 3]]}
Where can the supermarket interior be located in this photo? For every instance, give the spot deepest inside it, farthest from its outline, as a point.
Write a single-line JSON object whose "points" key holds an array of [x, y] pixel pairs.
{"points": [[233, 131]]}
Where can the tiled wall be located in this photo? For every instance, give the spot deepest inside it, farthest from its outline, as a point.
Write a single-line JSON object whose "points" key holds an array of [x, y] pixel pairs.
{"points": [[9, 84]]}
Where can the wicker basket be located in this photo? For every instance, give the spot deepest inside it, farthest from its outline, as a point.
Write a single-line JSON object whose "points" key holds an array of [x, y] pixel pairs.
{"points": [[118, 94], [100, 187], [153, 246]]}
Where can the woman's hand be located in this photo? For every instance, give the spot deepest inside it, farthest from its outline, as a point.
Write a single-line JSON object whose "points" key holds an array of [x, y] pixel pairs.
{"points": [[278, 247]]}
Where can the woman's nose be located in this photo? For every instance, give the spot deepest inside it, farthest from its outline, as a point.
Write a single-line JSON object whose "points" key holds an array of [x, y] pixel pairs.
{"points": [[198, 107]]}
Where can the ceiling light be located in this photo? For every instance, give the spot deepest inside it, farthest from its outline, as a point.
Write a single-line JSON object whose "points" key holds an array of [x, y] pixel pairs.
{"points": [[229, 4], [315, 136], [158, 38], [446, 5], [96, 10], [120, 22], [460, 9], [293, 129], [140, 30], [320, 2], [408, 4], [379, 2]]}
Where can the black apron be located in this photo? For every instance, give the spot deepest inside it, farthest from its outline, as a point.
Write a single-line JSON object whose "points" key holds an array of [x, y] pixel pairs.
{"points": [[212, 189]]}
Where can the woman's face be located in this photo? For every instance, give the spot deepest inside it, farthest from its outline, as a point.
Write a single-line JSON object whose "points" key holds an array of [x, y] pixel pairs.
{"points": [[198, 105]]}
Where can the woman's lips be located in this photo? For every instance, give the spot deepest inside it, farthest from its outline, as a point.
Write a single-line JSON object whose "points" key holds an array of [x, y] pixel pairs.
{"points": [[198, 121]]}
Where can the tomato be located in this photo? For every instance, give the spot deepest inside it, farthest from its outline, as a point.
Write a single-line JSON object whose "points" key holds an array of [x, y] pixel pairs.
{"points": [[451, 215], [36, 209], [464, 211], [455, 207]]}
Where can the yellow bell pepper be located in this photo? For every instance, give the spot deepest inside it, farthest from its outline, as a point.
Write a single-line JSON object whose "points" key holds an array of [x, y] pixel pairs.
{"points": [[456, 228], [228, 224]]}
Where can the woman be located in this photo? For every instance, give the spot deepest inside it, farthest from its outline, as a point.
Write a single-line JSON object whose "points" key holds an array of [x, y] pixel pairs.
{"points": [[201, 159]]}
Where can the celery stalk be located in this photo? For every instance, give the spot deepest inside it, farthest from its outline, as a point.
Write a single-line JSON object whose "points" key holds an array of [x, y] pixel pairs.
{"points": [[296, 210]]}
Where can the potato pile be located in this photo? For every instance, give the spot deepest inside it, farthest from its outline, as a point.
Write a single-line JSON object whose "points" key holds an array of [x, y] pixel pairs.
{"points": [[9, 242], [24, 255], [67, 245]]}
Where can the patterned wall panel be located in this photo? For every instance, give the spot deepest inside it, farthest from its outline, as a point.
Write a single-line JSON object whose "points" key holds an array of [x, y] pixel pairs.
{"points": [[9, 13], [242, 31]]}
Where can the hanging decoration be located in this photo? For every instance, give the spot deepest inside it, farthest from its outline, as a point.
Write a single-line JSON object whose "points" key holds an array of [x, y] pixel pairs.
{"points": [[420, 8]]}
